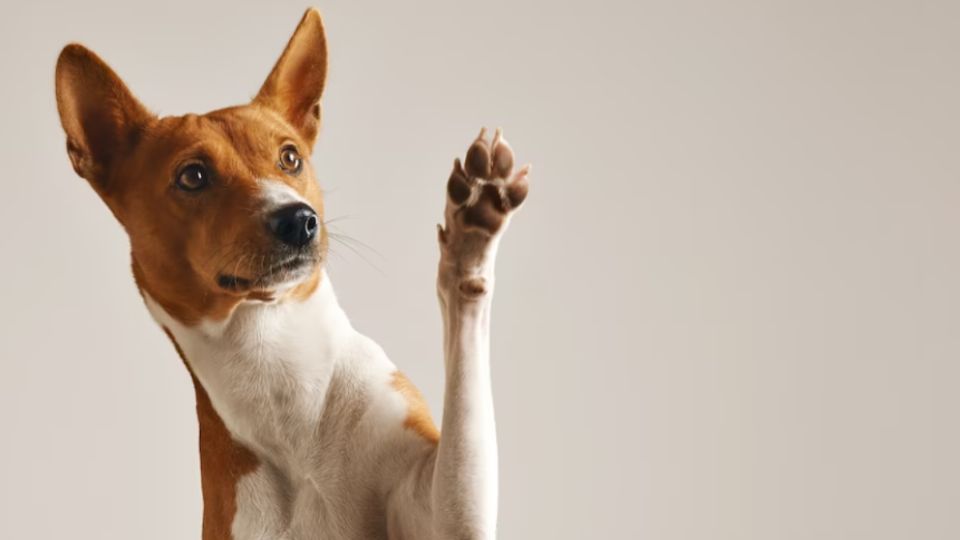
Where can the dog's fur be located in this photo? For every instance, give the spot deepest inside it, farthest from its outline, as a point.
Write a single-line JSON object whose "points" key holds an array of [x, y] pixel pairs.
{"points": [[307, 430]]}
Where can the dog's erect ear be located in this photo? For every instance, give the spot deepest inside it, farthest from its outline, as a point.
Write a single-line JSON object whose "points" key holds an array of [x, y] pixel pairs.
{"points": [[101, 117], [294, 86]]}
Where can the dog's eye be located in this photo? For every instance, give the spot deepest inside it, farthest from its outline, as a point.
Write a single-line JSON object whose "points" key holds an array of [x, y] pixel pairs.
{"points": [[193, 177], [290, 160]]}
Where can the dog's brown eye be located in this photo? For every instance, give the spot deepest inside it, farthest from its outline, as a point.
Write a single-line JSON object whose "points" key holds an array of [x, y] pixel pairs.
{"points": [[290, 160], [193, 177]]}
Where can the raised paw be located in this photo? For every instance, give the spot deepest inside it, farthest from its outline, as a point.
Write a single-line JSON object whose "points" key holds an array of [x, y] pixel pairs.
{"points": [[484, 190], [482, 193]]}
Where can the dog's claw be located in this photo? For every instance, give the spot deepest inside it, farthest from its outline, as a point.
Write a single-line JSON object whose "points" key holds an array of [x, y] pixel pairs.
{"points": [[441, 234]]}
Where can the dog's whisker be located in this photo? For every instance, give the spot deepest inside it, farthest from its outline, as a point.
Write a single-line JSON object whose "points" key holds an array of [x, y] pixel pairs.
{"points": [[361, 255], [343, 238], [337, 218]]}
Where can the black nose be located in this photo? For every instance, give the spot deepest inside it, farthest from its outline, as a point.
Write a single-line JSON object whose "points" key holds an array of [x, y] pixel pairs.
{"points": [[295, 224]]}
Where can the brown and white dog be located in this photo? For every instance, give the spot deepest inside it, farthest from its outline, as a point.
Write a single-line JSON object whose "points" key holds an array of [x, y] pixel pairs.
{"points": [[307, 430]]}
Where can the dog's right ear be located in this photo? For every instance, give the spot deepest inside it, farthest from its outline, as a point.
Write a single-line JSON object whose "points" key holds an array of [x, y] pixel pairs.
{"points": [[99, 114]]}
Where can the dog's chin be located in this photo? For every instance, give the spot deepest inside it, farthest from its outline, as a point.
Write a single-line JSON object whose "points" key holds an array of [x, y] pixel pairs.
{"points": [[277, 278]]}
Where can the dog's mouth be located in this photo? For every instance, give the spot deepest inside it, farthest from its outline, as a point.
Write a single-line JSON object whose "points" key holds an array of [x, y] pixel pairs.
{"points": [[285, 271]]}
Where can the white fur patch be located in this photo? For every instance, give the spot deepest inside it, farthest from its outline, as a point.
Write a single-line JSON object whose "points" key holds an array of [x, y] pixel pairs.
{"points": [[276, 194], [313, 399]]}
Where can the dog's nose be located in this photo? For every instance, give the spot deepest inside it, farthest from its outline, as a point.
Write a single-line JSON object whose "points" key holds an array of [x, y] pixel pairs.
{"points": [[295, 224]]}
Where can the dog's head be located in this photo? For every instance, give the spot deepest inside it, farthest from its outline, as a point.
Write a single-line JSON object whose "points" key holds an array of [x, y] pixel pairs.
{"points": [[219, 207]]}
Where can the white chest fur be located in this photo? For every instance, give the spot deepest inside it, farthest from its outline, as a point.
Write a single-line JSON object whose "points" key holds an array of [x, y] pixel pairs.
{"points": [[312, 398]]}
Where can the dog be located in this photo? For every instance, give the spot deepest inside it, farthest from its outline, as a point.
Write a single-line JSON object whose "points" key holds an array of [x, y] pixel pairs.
{"points": [[307, 430]]}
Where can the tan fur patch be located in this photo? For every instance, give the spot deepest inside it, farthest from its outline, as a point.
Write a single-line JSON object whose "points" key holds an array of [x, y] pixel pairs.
{"points": [[418, 414]]}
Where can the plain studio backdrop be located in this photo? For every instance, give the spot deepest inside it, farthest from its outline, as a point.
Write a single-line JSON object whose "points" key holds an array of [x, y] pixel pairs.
{"points": [[730, 308]]}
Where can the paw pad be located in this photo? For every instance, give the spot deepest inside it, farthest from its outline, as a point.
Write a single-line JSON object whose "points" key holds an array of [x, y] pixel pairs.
{"points": [[485, 189], [473, 287]]}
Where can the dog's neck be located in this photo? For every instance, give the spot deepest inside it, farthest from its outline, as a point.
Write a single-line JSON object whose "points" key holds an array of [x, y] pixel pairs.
{"points": [[267, 366], [291, 391]]}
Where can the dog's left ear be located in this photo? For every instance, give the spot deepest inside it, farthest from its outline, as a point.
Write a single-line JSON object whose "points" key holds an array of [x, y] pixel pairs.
{"points": [[294, 86]]}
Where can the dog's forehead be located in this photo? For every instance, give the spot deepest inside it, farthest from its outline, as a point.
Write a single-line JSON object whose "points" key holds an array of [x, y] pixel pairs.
{"points": [[242, 131], [248, 127]]}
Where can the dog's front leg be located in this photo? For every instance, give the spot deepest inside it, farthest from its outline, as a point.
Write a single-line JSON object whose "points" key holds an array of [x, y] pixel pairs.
{"points": [[481, 195]]}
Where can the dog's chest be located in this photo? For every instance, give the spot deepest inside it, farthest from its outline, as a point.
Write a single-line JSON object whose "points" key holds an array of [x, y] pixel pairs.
{"points": [[313, 400], [266, 368], [275, 372]]}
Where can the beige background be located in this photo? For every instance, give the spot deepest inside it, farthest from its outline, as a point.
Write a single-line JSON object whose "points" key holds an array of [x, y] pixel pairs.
{"points": [[729, 311]]}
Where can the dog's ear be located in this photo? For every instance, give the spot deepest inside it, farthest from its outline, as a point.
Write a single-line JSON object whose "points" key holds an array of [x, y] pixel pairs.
{"points": [[294, 86], [101, 117]]}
